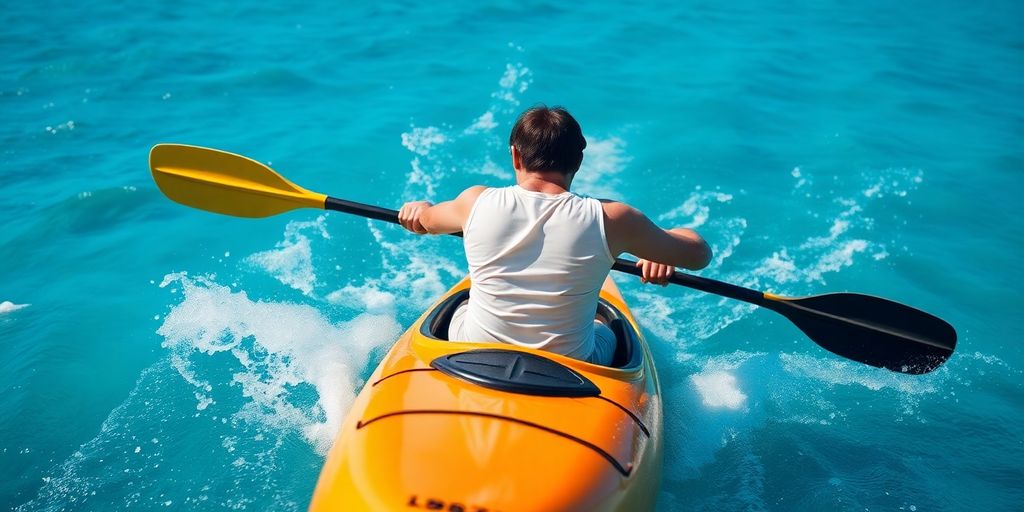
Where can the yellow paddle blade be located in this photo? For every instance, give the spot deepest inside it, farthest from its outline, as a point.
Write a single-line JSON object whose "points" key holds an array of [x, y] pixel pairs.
{"points": [[222, 182]]}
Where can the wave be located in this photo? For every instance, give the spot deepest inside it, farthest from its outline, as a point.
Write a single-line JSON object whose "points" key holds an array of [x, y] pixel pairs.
{"points": [[10, 307], [274, 349], [291, 261]]}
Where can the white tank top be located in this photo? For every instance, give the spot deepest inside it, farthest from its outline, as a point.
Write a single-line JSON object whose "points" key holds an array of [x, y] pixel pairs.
{"points": [[537, 263]]}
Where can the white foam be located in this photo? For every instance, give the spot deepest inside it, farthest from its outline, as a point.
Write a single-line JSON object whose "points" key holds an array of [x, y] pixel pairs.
{"points": [[367, 297], [719, 389], [779, 267], [892, 182], [8, 307], [732, 230], [838, 372], [69, 487], [991, 360], [603, 160], [292, 261], [411, 267], [840, 225], [516, 80], [782, 268], [439, 151], [725, 313], [713, 410], [67, 126], [422, 139], [422, 183], [484, 123], [489, 168], [908, 389], [657, 310], [97, 474], [696, 208], [276, 347], [819, 255], [692, 317], [836, 259], [798, 174]]}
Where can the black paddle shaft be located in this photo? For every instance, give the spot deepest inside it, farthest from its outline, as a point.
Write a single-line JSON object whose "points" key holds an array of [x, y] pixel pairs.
{"points": [[699, 283], [362, 210], [872, 330]]}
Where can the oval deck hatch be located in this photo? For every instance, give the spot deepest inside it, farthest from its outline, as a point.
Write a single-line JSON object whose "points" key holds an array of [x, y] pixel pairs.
{"points": [[516, 372]]}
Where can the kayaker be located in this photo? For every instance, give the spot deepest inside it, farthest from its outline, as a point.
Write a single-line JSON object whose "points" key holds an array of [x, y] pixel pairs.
{"points": [[538, 253]]}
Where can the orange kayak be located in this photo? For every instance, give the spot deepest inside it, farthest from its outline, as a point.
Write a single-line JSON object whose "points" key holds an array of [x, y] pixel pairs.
{"points": [[486, 427]]}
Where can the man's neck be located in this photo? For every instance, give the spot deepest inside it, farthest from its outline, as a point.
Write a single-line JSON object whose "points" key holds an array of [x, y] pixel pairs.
{"points": [[544, 182]]}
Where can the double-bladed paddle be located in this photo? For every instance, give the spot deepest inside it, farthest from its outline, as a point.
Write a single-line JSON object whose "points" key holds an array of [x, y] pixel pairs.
{"points": [[868, 329]]}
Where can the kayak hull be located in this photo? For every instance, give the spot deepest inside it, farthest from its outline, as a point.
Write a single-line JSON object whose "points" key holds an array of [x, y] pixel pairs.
{"points": [[418, 437]]}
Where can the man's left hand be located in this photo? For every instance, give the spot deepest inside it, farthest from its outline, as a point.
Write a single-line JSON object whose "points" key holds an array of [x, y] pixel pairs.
{"points": [[409, 216]]}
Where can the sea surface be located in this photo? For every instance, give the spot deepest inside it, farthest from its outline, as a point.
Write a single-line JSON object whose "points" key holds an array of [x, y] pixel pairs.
{"points": [[157, 357]]}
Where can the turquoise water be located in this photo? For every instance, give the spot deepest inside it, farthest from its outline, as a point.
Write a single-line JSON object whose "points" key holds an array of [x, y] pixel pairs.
{"points": [[154, 357]]}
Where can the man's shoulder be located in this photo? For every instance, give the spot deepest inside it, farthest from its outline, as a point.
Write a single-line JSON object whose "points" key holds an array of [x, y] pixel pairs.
{"points": [[467, 199], [471, 193], [617, 211]]}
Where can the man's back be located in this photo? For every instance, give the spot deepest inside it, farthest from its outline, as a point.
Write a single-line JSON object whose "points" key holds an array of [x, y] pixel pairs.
{"points": [[537, 262], [538, 254]]}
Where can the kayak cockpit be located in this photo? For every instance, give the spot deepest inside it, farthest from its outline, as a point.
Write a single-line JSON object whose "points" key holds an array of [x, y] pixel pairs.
{"points": [[628, 353]]}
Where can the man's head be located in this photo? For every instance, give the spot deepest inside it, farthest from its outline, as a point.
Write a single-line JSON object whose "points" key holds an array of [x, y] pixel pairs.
{"points": [[548, 139]]}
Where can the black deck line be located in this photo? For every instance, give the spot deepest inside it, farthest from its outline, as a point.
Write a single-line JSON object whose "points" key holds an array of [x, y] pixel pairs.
{"points": [[629, 412], [636, 419], [624, 470], [382, 379]]}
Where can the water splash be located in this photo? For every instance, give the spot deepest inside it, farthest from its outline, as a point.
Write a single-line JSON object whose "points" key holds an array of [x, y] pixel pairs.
{"points": [[409, 265], [515, 81], [484, 123], [435, 148], [695, 207], [291, 261], [421, 140], [273, 351], [603, 160], [145, 442]]}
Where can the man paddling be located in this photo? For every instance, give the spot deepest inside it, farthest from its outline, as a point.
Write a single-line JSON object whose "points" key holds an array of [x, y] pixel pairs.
{"points": [[538, 253]]}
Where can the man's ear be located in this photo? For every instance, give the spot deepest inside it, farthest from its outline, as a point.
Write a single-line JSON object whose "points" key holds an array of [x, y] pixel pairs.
{"points": [[517, 161]]}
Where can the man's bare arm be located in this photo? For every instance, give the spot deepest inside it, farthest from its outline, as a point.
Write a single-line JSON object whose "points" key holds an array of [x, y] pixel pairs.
{"points": [[442, 218], [631, 231]]}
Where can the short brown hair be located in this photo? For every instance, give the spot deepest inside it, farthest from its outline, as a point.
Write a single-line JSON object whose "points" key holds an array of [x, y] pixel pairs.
{"points": [[548, 139]]}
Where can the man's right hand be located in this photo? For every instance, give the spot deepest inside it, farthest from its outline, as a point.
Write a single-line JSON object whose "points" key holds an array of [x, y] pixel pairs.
{"points": [[655, 273], [409, 216]]}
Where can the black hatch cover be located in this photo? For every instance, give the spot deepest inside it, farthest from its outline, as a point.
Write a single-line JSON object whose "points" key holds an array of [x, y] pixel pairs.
{"points": [[516, 372]]}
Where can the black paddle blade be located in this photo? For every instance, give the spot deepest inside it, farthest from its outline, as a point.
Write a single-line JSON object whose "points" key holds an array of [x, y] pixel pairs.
{"points": [[871, 330]]}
